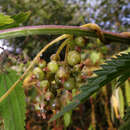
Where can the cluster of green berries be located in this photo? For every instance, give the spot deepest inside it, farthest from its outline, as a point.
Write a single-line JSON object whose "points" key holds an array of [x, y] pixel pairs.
{"points": [[58, 81]]}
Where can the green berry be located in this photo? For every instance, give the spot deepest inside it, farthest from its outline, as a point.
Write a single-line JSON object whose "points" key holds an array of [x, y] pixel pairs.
{"points": [[78, 78], [44, 84], [74, 92], [104, 50], [83, 56], [76, 68], [52, 66], [80, 41], [53, 57], [58, 80], [48, 95], [69, 84], [42, 63], [55, 104], [37, 106], [39, 73], [73, 58], [50, 76], [62, 73]]}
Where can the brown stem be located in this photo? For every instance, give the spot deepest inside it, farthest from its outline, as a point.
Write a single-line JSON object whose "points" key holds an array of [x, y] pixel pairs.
{"points": [[93, 120], [107, 112], [61, 29]]}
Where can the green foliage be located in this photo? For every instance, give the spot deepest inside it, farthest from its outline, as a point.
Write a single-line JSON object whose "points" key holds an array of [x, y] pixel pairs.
{"points": [[55, 12], [67, 118], [95, 56], [127, 92], [125, 126], [126, 123], [110, 70], [12, 109], [121, 103], [43, 12], [5, 19], [17, 20]]}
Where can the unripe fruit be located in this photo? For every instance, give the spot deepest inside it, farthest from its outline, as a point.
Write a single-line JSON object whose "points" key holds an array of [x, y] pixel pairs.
{"points": [[37, 107], [29, 81], [77, 68], [50, 76], [42, 63], [80, 41], [48, 95], [74, 92], [58, 81], [78, 78], [44, 84], [62, 73], [52, 66], [39, 73], [83, 56], [104, 49], [53, 57], [54, 88], [55, 104], [73, 58], [69, 84]]}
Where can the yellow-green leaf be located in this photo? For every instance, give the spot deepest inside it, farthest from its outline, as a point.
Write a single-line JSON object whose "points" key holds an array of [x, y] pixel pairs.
{"points": [[127, 92], [5, 19], [67, 118], [121, 103]]}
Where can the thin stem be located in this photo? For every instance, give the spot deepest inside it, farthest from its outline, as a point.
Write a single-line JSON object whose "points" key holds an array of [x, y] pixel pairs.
{"points": [[97, 29], [66, 53], [85, 30], [107, 112], [93, 120], [61, 47], [31, 65]]}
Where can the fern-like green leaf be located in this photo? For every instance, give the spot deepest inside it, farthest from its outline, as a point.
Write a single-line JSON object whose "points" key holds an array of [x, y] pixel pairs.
{"points": [[12, 109], [110, 70], [122, 78]]}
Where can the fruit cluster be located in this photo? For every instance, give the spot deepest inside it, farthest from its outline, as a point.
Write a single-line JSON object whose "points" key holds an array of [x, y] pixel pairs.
{"points": [[58, 81]]}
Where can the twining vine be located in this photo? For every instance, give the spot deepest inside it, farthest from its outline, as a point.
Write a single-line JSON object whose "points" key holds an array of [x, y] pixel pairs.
{"points": [[105, 75], [92, 30]]}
